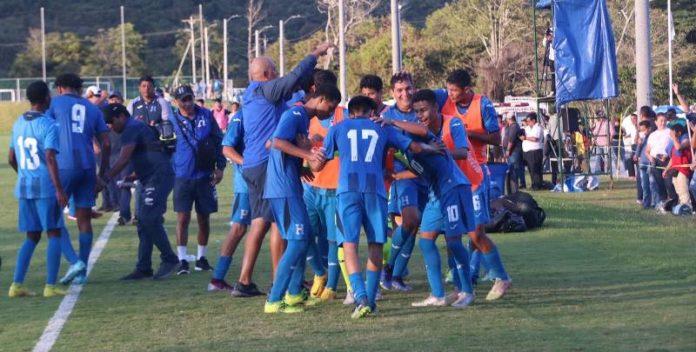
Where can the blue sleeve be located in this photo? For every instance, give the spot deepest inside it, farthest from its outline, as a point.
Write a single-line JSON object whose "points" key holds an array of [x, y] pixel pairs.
{"points": [[489, 115], [458, 133], [234, 132], [289, 125], [99, 124], [51, 137], [129, 135], [441, 97], [281, 88], [397, 140], [330, 143]]}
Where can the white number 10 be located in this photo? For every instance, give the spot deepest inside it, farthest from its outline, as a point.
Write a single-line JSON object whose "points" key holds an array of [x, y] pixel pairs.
{"points": [[366, 134]]}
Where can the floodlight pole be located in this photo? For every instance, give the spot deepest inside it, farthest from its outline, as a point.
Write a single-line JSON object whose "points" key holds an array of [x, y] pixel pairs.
{"points": [[395, 36], [200, 26], [43, 45], [123, 53], [643, 54], [281, 42], [342, 49]]}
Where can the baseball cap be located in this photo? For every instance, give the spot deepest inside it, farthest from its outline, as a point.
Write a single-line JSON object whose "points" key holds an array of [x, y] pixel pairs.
{"points": [[673, 123], [182, 92], [94, 90], [115, 93], [114, 110]]}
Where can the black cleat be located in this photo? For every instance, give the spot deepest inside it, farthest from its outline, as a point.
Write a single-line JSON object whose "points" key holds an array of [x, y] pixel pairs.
{"points": [[183, 268], [166, 269], [241, 290], [203, 265], [137, 275]]}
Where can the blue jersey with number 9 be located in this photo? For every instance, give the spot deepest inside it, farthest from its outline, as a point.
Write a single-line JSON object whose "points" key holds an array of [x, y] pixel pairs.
{"points": [[362, 145], [78, 122]]}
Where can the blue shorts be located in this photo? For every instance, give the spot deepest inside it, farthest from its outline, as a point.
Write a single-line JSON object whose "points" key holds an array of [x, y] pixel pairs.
{"points": [[241, 210], [410, 194], [321, 208], [452, 215], [480, 200], [80, 186], [201, 192], [41, 214], [291, 217], [366, 210], [255, 178]]}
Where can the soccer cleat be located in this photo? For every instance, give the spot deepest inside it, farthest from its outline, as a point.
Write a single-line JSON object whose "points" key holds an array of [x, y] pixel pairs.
{"points": [[317, 286], [72, 272], [281, 307], [349, 300], [241, 290], [361, 310], [398, 284], [217, 285], [137, 275], [294, 300], [122, 221], [183, 268], [430, 301], [385, 278], [378, 295], [166, 269], [80, 279], [464, 300], [452, 297], [500, 287], [18, 290], [203, 265], [52, 291], [327, 295]]}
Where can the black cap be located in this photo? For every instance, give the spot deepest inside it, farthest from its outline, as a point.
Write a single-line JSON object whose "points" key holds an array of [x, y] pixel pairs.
{"points": [[112, 111], [182, 92]]}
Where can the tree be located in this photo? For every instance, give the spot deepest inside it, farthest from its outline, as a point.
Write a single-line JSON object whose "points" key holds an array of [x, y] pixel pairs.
{"points": [[254, 16], [64, 53], [355, 13], [104, 55]]}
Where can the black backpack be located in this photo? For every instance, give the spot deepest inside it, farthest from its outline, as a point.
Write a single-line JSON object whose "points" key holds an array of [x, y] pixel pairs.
{"points": [[525, 205]]}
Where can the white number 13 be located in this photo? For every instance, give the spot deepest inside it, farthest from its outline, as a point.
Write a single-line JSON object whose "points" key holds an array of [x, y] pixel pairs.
{"points": [[366, 134]]}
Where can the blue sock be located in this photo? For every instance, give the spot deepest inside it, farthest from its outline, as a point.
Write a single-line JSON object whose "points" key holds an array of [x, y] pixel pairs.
{"points": [[474, 264], [334, 269], [298, 275], [323, 246], [52, 260], [371, 287], [431, 257], [356, 281], [223, 264], [495, 264], [85, 246], [404, 256], [461, 257], [294, 252], [314, 258], [397, 242], [23, 259], [455, 274], [66, 246]]}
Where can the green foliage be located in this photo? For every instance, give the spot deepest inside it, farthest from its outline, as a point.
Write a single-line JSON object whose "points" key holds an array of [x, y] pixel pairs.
{"points": [[104, 55], [63, 53]]}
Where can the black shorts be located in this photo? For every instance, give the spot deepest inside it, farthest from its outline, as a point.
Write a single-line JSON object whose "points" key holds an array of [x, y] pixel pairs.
{"points": [[199, 191], [255, 178]]}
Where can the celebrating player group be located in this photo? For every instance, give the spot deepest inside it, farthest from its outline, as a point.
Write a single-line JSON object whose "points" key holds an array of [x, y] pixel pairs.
{"points": [[312, 174]]}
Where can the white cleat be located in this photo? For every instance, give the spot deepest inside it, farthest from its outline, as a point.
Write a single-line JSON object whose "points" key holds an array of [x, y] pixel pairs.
{"points": [[464, 300], [452, 297], [349, 298], [498, 290], [431, 301]]}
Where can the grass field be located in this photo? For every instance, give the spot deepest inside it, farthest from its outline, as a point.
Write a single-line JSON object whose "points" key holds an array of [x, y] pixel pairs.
{"points": [[601, 275]]}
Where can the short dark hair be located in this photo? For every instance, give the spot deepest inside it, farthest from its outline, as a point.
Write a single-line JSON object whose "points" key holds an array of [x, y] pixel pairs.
{"points": [[146, 78], [361, 104], [319, 78], [400, 76], [217, 100], [329, 92], [671, 114], [372, 82], [532, 115], [460, 78], [199, 100], [645, 124], [678, 128], [425, 95], [113, 111], [647, 111], [69, 80], [37, 92]]}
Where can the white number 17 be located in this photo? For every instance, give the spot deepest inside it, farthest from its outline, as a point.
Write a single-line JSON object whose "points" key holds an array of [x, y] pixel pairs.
{"points": [[366, 134]]}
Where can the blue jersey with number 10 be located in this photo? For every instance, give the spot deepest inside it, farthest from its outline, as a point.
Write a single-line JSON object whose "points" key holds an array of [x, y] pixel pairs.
{"points": [[78, 122], [32, 135], [362, 145]]}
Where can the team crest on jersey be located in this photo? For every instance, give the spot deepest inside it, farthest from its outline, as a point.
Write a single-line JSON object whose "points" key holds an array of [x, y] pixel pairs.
{"points": [[201, 123], [299, 229]]}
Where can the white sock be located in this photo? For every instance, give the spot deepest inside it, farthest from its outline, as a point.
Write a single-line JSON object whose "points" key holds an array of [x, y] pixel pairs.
{"points": [[181, 250], [202, 250]]}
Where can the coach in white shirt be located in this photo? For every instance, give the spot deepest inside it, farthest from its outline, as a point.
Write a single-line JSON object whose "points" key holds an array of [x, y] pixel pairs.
{"points": [[532, 149]]}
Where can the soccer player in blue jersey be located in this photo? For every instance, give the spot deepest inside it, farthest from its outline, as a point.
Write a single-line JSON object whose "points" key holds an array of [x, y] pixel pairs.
{"points": [[79, 122], [480, 120], [233, 149], [411, 193], [362, 201], [283, 190], [32, 155]]}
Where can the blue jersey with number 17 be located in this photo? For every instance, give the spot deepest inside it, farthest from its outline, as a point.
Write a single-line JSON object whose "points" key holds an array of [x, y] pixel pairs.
{"points": [[362, 145], [33, 134], [78, 122]]}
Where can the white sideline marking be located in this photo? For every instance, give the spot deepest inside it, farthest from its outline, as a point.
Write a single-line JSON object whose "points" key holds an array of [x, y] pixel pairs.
{"points": [[55, 325]]}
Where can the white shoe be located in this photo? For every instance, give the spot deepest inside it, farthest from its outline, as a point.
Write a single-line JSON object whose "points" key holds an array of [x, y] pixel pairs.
{"points": [[349, 298], [452, 297], [431, 301], [464, 300], [498, 290]]}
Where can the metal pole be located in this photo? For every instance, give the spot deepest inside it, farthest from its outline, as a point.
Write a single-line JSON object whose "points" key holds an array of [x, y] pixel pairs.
{"points": [[43, 45], [123, 53], [395, 35], [265, 44], [224, 59], [670, 28], [200, 16], [207, 65], [536, 60], [342, 49], [643, 55], [281, 47], [256, 43], [193, 51]]}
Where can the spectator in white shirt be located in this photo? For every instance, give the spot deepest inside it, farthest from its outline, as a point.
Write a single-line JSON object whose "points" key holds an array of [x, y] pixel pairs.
{"points": [[532, 149], [629, 128], [656, 151]]}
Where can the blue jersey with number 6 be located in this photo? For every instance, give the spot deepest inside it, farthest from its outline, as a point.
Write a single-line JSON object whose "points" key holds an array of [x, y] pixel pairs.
{"points": [[78, 122], [32, 134], [362, 145]]}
